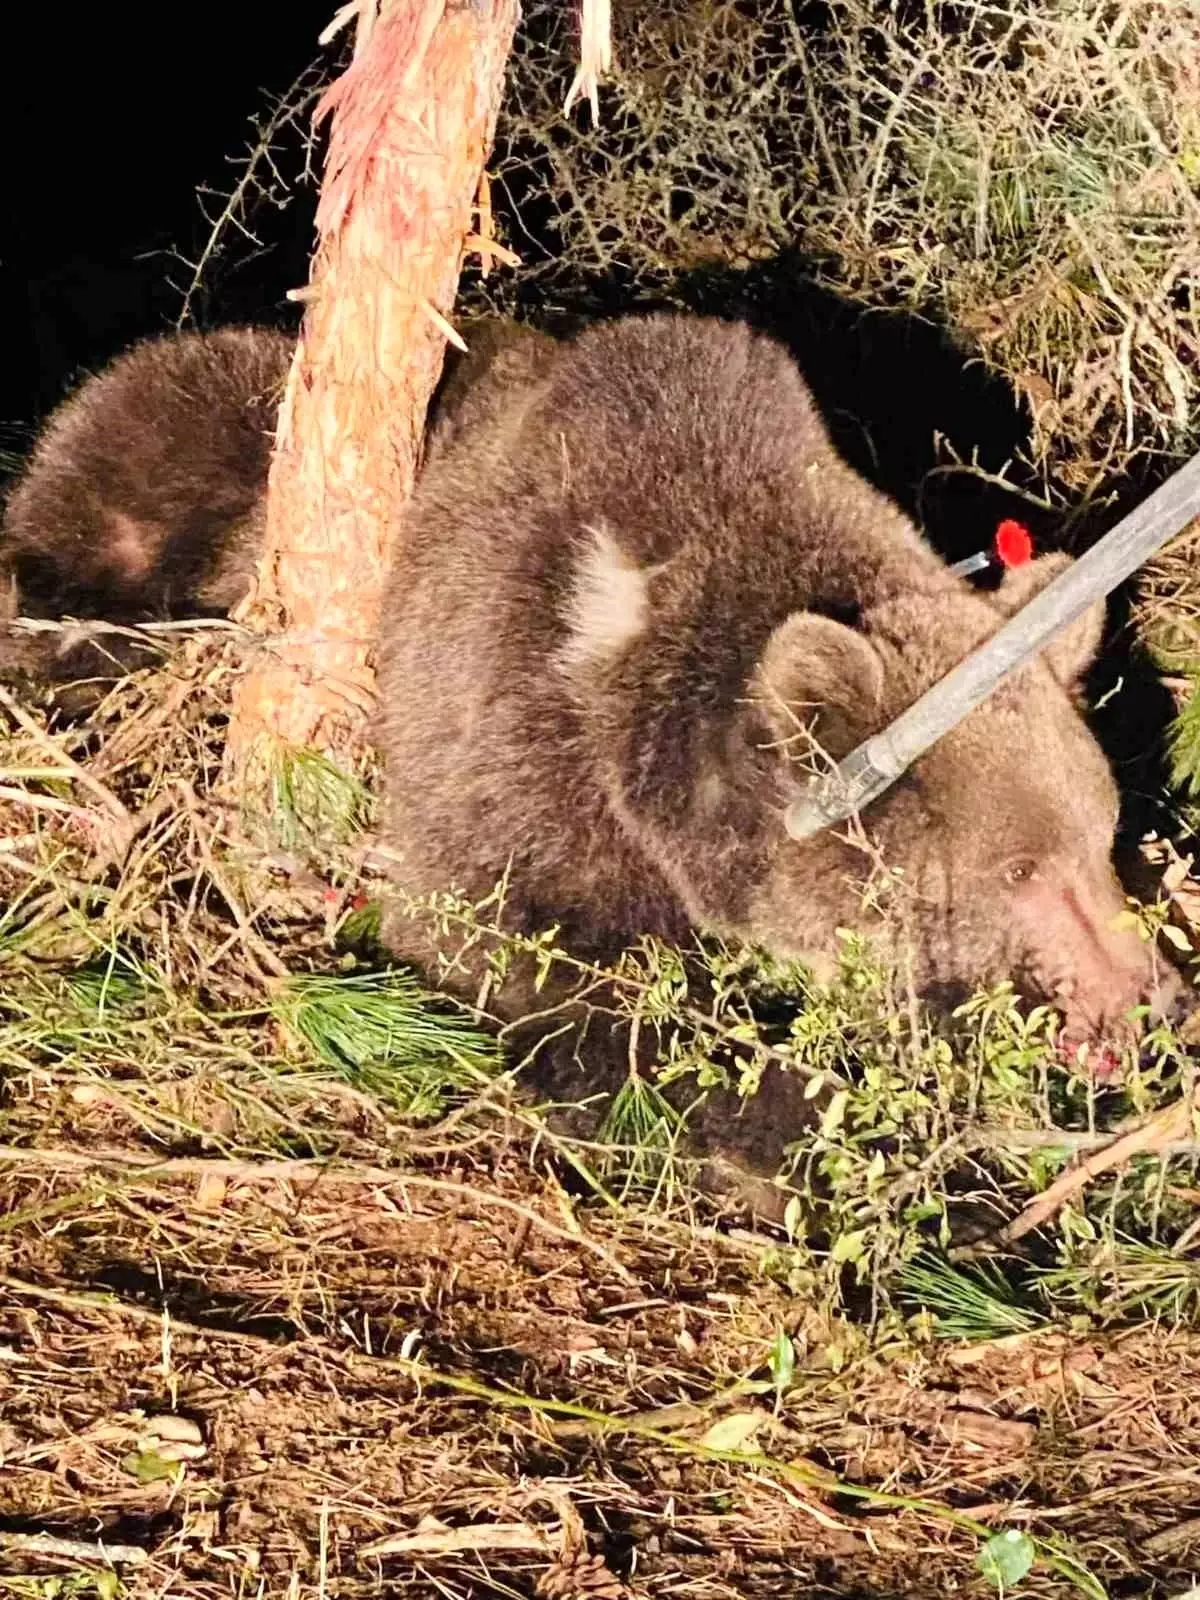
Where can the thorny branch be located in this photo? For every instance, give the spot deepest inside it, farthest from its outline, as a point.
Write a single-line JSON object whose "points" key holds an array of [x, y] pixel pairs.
{"points": [[283, 139]]}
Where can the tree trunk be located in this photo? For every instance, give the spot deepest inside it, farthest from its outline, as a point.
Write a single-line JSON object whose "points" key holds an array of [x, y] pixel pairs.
{"points": [[412, 124]]}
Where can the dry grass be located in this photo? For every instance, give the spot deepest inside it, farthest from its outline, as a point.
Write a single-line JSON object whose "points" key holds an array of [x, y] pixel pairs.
{"points": [[1025, 175], [1169, 601], [270, 1324], [273, 1315]]}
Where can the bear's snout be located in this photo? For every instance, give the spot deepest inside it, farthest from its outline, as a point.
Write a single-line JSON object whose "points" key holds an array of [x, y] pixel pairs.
{"points": [[1088, 956]]}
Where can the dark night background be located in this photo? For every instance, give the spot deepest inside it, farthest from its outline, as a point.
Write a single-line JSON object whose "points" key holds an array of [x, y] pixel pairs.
{"points": [[118, 114], [114, 116]]}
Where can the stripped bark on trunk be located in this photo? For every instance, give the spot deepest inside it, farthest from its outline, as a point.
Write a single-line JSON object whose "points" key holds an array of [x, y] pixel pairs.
{"points": [[411, 125]]}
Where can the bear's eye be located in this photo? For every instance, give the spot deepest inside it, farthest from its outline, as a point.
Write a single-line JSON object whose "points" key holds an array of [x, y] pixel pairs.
{"points": [[1020, 871]]}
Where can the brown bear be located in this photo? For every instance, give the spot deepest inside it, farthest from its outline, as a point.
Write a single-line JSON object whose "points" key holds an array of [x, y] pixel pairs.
{"points": [[145, 495], [143, 498], [637, 595], [633, 604]]}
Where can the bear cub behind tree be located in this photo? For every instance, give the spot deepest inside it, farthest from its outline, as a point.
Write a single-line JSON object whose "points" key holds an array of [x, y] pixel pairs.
{"points": [[144, 495], [632, 603], [143, 499]]}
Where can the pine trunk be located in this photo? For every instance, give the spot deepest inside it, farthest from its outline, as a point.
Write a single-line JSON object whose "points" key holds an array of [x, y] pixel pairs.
{"points": [[412, 124]]}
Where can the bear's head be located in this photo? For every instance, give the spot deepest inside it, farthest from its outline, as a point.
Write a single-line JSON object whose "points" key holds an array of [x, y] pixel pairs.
{"points": [[995, 848]]}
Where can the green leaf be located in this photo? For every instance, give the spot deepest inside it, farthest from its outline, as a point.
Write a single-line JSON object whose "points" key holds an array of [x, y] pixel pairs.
{"points": [[849, 1246], [148, 1467], [781, 1362], [1006, 1558], [835, 1113], [734, 1432]]}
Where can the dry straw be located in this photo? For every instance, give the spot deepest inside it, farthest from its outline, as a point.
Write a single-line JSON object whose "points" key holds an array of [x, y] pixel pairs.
{"points": [[1027, 175]]}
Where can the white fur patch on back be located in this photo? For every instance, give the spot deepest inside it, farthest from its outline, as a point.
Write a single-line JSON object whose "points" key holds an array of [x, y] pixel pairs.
{"points": [[608, 604], [129, 545]]}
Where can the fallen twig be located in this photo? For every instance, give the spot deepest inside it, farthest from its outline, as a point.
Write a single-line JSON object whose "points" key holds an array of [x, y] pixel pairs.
{"points": [[131, 1164], [1156, 1134], [262, 958], [93, 628], [97, 1553], [44, 802], [439, 1540], [86, 780], [1078, 1141], [109, 1301]]}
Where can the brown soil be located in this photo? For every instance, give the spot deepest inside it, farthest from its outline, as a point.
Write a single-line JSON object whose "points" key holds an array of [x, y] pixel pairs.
{"points": [[230, 1372]]}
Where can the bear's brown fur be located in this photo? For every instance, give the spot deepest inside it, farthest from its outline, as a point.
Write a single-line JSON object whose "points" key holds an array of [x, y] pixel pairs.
{"points": [[624, 599], [637, 592], [143, 497], [145, 494]]}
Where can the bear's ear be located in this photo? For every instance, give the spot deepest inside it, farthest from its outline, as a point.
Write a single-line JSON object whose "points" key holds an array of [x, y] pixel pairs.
{"points": [[818, 684], [1071, 652]]}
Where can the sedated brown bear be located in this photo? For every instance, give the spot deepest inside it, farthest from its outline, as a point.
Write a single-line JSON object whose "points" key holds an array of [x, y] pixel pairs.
{"points": [[635, 591], [625, 604]]}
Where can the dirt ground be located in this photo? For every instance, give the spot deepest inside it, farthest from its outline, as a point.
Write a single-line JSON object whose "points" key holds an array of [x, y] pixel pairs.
{"points": [[263, 1325], [261, 1333]]}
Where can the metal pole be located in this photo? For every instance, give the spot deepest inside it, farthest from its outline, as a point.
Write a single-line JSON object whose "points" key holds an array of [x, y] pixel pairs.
{"points": [[876, 764]]}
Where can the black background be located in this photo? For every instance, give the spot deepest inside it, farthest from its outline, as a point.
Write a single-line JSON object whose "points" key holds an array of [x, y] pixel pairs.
{"points": [[113, 115]]}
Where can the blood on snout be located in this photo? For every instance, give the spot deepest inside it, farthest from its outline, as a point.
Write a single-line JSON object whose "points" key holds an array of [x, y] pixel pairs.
{"points": [[1083, 955]]}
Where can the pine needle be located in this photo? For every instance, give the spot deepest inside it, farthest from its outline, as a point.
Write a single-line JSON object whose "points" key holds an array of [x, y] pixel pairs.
{"points": [[388, 1035], [976, 1303]]}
